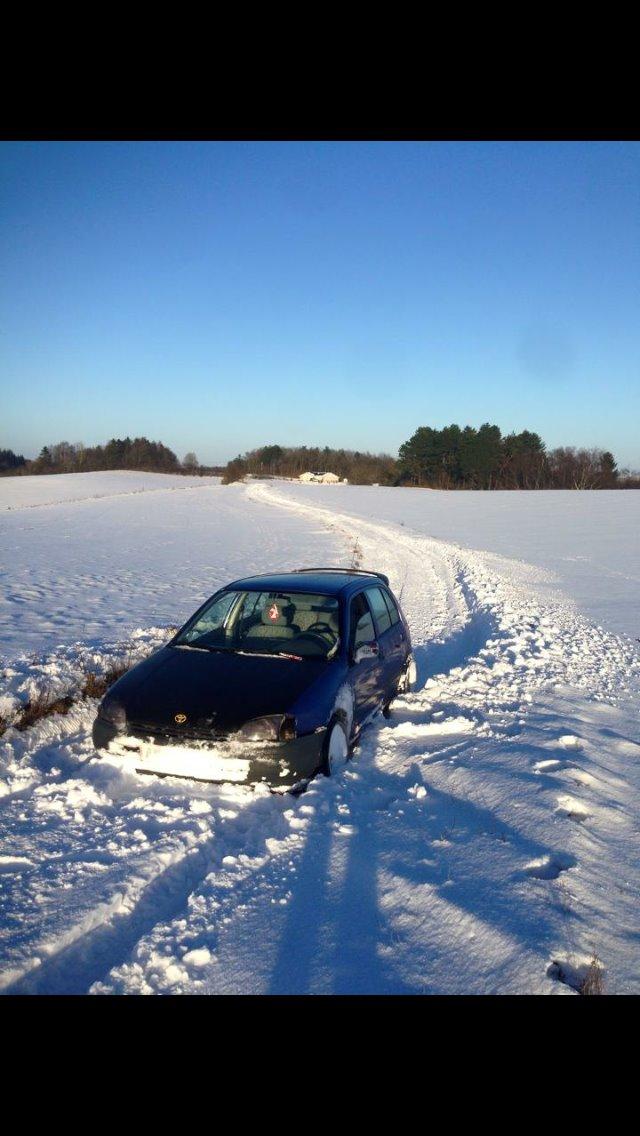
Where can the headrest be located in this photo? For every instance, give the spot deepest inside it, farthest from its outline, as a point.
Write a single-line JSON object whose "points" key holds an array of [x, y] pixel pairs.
{"points": [[278, 613]]}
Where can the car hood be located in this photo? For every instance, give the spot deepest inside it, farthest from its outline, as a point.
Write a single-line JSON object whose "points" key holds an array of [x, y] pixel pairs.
{"points": [[216, 690]]}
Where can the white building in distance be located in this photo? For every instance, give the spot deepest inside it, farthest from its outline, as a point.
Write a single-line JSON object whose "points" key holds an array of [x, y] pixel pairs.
{"points": [[323, 478]]}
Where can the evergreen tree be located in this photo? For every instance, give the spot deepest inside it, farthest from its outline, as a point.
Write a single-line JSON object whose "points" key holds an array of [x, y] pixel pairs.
{"points": [[9, 460], [608, 470]]}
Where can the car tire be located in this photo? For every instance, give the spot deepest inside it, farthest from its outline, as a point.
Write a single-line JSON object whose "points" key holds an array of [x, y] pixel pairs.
{"points": [[405, 684], [407, 680], [335, 750]]}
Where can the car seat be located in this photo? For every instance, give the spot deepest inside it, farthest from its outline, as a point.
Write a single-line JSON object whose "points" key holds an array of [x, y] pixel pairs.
{"points": [[272, 625]]}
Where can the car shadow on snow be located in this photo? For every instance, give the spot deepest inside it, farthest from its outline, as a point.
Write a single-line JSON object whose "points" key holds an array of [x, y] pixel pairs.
{"points": [[330, 941], [373, 889], [339, 935]]}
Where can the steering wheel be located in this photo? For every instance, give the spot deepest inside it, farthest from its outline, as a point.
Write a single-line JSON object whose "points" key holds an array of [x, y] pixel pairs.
{"points": [[320, 628]]}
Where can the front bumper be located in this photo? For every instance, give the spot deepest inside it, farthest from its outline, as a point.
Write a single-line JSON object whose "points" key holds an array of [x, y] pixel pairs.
{"points": [[274, 763]]}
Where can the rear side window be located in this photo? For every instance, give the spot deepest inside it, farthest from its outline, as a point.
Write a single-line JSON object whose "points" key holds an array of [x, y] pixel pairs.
{"points": [[361, 628], [380, 609], [393, 608]]}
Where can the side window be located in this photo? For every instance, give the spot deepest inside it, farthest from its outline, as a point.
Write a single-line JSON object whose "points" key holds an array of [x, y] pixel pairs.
{"points": [[361, 629], [393, 608], [380, 609]]}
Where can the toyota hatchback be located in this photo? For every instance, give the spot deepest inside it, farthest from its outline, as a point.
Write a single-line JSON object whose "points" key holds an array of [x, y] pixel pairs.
{"points": [[272, 680]]}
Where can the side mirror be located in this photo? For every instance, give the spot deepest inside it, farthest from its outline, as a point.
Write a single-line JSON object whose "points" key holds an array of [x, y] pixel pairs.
{"points": [[366, 651]]}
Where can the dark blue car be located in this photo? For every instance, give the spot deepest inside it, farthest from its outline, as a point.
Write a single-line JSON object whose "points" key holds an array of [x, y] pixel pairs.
{"points": [[271, 680]]}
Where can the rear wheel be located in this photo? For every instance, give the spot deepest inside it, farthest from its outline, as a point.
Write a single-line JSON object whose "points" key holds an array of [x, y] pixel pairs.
{"points": [[407, 679], [405, 684], [335, 749]]}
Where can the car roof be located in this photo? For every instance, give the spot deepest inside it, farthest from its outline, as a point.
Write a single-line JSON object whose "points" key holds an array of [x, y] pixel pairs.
{"points": [[326, 582]]}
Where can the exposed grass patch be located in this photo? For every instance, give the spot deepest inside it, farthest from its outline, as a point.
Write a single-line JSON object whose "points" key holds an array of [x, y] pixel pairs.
{"points": [[44, 703], [585, 979], [42, 706], [93, 685], [593, 981], [97, 685]]}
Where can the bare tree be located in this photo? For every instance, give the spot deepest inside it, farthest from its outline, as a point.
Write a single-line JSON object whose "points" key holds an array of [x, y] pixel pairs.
{"points": [[190, 462]]}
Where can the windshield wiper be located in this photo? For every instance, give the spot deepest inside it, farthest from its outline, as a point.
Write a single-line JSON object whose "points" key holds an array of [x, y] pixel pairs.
{"points": [[240, 651], [264, 654], [195, 647]]}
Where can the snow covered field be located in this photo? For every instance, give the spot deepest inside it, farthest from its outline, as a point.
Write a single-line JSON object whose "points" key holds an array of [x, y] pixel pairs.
{"points": [[586, 543], [485, 839], [106, 562], [52, 489]]}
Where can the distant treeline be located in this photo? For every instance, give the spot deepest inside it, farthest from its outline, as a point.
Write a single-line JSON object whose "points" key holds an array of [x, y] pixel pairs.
{"points": [[118, 453], [452, 458]]}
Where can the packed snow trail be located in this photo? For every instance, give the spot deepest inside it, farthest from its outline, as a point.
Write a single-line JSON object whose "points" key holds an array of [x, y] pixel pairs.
{"points": [[483, 840]]}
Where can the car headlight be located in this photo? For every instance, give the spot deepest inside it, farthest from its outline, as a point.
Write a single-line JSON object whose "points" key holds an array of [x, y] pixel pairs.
{"points": [[275, 728], [114, 712]]}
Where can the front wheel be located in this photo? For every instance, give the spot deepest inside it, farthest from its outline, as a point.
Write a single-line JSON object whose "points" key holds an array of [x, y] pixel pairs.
{"points": [[336, 748]]}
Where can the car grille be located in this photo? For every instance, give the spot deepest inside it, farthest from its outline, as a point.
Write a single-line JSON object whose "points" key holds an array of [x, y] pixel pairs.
{"points": [[175, 733]]}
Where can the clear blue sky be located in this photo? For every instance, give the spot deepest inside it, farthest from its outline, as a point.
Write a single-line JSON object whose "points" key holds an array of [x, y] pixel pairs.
{"points": [[218, 296]]}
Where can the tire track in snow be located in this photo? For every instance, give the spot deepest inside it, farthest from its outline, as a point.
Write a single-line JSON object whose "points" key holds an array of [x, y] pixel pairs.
{"points": [[430, 578], [108, 934]]}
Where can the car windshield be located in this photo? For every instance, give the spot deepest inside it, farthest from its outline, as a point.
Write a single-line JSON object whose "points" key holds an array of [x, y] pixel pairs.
{"points": [[298, 625]]}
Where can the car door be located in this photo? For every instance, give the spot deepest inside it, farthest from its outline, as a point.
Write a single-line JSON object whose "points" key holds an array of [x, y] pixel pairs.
{"points": [[367, 675], [391, 636]]}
